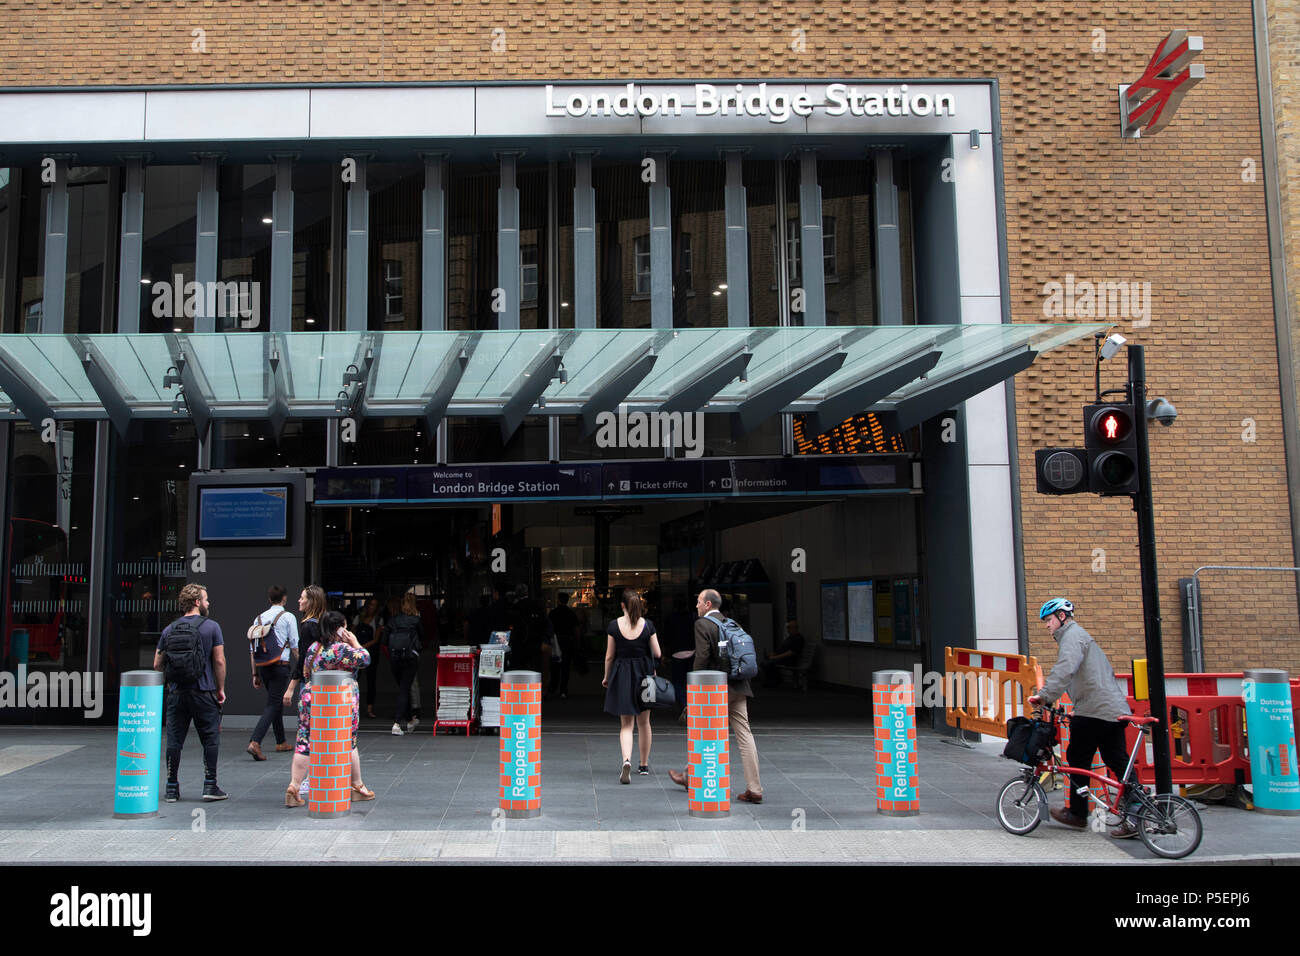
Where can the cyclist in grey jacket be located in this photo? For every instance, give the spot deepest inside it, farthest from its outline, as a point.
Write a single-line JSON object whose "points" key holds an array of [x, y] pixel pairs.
{"points": [[1083, 669]]}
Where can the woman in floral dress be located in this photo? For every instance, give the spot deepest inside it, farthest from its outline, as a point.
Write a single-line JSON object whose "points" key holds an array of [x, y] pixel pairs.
{"points": [[338, 650]]}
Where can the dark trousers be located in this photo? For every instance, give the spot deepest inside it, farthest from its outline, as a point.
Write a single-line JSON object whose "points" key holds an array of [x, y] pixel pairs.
{"points": [[1087, 736], [560, 669], [184, 705], [275, 681], [404, 674], [372, 679]]}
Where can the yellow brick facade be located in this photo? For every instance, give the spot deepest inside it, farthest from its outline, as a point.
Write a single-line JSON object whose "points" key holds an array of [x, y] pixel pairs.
{"points": [[1173, 210]]}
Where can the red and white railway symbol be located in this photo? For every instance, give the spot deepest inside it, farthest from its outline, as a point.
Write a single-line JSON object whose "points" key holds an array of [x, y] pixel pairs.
{"points": [[1149, 104]]}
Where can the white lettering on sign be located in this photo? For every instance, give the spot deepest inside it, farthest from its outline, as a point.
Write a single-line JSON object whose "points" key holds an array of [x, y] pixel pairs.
{"points": [[753, 100]]}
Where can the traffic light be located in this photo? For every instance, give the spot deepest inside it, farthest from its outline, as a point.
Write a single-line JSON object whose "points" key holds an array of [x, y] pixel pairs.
{"points": [[1061, 471], [1111, 441]]}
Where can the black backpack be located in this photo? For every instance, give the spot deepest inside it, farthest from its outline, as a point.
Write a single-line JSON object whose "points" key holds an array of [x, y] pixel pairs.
{"points": [[402, 643], [183, 657]]}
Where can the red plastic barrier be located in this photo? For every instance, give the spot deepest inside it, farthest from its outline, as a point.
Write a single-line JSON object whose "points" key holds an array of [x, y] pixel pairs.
{"points": [[1208, 741]]}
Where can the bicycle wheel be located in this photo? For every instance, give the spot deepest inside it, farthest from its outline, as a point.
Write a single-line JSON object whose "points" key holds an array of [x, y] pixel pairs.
{"points": [[1021, 803], [1169, 826]]}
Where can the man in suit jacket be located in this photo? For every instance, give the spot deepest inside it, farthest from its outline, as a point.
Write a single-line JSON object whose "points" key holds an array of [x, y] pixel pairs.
{"points": [[708, 605]]}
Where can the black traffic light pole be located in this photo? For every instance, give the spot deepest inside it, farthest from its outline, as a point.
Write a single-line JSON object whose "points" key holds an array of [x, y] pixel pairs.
{"points": [[1137, 396]]}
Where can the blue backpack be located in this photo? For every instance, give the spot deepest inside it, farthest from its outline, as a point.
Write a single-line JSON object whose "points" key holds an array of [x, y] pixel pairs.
{"points": [[736, 650]]}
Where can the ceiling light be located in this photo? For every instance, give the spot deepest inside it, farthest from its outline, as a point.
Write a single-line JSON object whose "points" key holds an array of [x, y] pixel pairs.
{"points": [[145, 280], [266, 220]]}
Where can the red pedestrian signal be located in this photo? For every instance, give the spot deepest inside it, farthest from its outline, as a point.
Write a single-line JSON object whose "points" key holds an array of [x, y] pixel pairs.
{"points": [[1112, 449]]}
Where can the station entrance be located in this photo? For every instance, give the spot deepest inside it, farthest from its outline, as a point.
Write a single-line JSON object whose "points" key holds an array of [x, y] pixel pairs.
{"points": [[842, 573]]}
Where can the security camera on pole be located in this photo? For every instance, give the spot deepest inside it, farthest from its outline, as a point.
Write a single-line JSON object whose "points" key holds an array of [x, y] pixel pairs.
{"points": [[1115, 460]]}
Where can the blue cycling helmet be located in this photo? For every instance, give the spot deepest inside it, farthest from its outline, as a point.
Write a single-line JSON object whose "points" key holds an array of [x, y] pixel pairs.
{"points": [[1054, 605]]}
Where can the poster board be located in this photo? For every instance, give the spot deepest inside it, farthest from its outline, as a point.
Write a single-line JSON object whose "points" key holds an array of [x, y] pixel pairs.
{"points": [[862, 628], [834, 625]]}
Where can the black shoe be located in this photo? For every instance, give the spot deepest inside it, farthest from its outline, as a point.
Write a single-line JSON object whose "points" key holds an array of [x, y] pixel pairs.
{"points": [[212, 792], [643, 770], [173, 792]]}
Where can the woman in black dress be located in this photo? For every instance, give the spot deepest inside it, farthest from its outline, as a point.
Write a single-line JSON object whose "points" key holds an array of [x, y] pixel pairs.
{"points": [[631, 651]]}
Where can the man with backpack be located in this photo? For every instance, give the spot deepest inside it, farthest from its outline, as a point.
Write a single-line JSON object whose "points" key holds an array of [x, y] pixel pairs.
{"points": [[711, 628], [192, 656], [404, 637]]}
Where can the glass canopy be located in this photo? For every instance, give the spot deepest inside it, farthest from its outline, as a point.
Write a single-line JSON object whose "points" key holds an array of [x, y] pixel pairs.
{"points": [[832, 372]]}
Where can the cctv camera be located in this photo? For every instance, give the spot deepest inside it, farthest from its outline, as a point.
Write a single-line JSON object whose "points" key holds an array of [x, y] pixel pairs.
{"points": [[1161, 411], [1112, 345]]}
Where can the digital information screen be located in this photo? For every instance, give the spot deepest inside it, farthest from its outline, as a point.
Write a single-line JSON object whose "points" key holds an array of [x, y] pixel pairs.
{"points": [[244, 515]]}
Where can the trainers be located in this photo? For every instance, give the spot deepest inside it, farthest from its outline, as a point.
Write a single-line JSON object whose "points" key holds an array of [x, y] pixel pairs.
{"points": [[414, 722], [625, 775], [1125, 831], [1064, 816], [398, 731], [173, 792], [212, 792], [643, 770]]}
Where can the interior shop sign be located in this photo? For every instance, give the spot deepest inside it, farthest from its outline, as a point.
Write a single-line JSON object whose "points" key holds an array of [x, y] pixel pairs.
{"points": [[740, 99]]}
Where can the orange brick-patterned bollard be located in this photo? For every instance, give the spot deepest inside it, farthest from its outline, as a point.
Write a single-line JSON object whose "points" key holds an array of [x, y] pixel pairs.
{"points": [[330, 793], [893, 697], [521, 744], [708, 782]]}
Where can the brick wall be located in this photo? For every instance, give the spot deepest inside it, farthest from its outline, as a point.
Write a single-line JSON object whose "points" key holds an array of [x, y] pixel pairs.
{"points": [[1171, 210]]}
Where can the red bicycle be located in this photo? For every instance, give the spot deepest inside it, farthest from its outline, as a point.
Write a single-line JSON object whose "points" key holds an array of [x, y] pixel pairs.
{"points": [[1169, 825]]}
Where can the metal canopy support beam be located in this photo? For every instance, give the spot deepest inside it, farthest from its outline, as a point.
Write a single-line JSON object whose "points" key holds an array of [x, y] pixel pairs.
{"points": [[737, 221], [812, 262], [196, 401], [102, 381], [944, 395], [661, 244], [23, 393], [528, 388], [889, 259], [205, 250], [364, 360], [56, 250], [433, 248], [441, 387], [857, 398], [282, 245], [772, 396], [617, 384], [694, 393], [584, 242], [277, 406], [358, 250], [131, 248], [508, 241]]}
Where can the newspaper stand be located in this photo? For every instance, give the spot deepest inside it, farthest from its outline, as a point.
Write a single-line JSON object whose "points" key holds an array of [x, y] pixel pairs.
{"points": [[456, 675]]}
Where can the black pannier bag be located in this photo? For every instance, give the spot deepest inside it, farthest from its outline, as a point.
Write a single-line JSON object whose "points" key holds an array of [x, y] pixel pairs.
{"points": [[1027, 739]]}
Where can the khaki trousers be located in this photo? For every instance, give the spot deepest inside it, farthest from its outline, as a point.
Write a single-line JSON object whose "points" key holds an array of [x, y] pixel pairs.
{"points": [[738, 728]]}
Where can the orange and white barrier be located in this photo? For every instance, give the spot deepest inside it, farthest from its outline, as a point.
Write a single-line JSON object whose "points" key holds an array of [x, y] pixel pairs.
{"points": [[983, 691]]}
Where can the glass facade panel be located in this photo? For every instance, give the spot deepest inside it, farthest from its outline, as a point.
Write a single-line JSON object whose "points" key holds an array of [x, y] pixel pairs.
{"points": [[534, 287], [251, 444], [31, 254], [479, 440], [903, 180], [848, 255], [313, 217], [92, 218], [564, 240], [472, 245], [149, 500], [49, 540], [8, 204], [171, 195], [576, 445], [244, 247], [389, 441], [699, 243], [759, 177], [622, 217], [396, 197]]}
